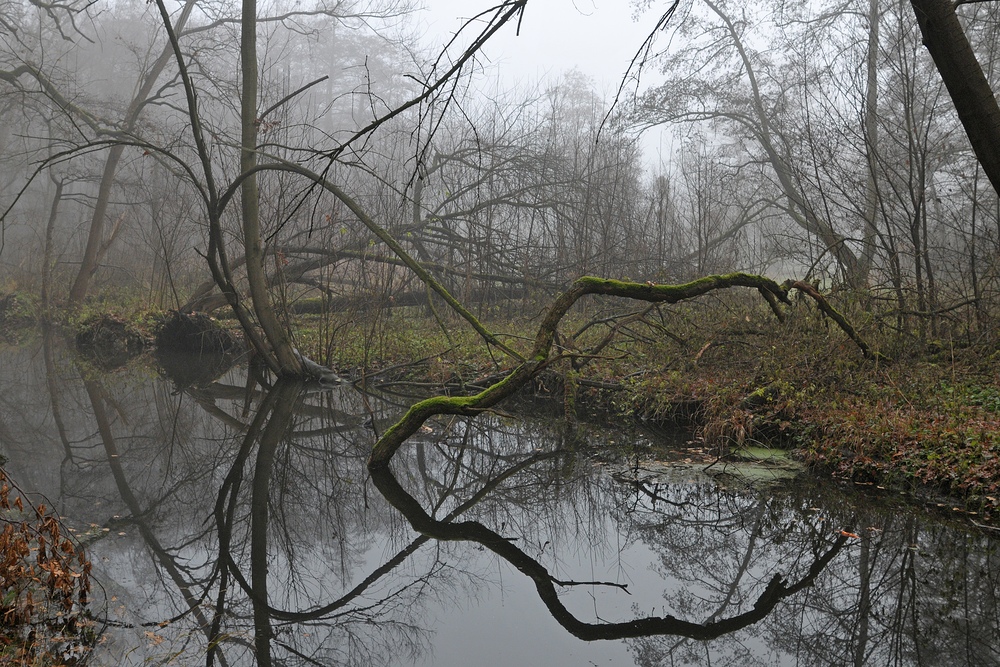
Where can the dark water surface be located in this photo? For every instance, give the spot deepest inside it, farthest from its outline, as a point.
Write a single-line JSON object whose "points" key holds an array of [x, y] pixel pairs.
{"points": [[229, 520]]}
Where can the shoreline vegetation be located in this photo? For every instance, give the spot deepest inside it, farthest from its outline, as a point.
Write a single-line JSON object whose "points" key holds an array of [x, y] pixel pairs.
{"points": [[920, 414]]}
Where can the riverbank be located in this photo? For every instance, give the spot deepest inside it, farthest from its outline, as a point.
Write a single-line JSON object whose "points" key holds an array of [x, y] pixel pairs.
{"points": [[928, 424], [923, 417]]}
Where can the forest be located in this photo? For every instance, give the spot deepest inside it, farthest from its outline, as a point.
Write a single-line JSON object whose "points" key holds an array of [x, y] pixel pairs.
{"points": [[330, 183], [813, 142], [264, 162], [316, 194]]}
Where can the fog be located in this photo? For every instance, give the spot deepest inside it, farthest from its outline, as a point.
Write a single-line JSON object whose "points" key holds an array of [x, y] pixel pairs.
{"points": [[651, 142]]}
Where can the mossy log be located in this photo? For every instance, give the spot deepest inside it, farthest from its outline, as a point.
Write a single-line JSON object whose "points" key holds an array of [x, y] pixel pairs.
{"points": [[539, 357]]}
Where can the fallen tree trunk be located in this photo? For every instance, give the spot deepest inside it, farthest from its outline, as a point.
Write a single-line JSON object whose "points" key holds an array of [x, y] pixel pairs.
{"points": [[539, 357], [206, 298], [396, 300]]}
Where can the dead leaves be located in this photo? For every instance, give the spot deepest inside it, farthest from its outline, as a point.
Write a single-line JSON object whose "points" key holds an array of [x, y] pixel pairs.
{"points": [[44, 578]]}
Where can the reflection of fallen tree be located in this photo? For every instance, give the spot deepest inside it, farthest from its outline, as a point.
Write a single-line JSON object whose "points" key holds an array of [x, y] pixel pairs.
{"points": [[210, 396], [280, 403], [538, 359], [776, 591], [271, 427]]}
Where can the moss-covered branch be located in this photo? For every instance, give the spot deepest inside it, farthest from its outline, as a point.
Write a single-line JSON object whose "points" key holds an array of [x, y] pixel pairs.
{"points": [[393, 438]]}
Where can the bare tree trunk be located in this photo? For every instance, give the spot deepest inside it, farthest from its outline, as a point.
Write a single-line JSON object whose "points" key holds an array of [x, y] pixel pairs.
{"points": [[963, 76], [925, 253], [47, 252], [871, 137], [95, 237], [276, 334], [973, 252], [918, 265]]}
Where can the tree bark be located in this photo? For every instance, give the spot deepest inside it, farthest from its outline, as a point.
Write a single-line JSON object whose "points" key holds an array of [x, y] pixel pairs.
{"points": [[95, 237], [871, 137], [963, 76], [277, 336], [47, 251]]}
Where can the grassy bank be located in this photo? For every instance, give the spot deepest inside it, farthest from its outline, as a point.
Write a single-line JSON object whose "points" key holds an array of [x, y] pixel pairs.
{"points": [[925, 419]]}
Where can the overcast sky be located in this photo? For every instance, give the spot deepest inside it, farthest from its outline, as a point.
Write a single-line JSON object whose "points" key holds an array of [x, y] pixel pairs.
{"points": [[597, 36]]}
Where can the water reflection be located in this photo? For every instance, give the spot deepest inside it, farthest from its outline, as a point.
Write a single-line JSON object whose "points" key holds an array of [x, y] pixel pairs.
{"points": [[233, 524]]}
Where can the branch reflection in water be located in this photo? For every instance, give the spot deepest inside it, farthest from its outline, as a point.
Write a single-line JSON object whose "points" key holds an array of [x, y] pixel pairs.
{"points": [[256, 537]]}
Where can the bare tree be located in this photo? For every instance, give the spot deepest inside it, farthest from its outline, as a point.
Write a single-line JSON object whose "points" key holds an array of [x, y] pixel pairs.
{"points": [[96, 244], [722, 80]]}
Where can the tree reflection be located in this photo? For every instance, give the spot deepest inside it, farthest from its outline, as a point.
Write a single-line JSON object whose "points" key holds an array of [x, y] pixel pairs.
{"points": [[546, 584], [899, 595], [242, 527], [285, 596], [290, 524]]}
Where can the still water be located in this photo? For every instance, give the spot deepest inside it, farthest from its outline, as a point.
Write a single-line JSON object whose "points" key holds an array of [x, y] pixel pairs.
{"points": [[234, 524]]}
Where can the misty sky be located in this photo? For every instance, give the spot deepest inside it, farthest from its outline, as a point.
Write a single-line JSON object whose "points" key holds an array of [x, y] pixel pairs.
{"points": [[597, 36]]}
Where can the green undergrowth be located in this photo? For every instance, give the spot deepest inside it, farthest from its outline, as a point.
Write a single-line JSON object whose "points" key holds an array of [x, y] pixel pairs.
{"points": [[407, 345], [925, 420]]}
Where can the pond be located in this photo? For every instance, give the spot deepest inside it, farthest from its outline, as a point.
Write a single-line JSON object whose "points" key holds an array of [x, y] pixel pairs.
{"points": [[231, 524]]}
